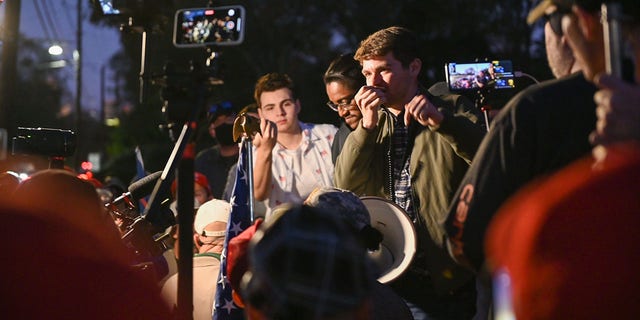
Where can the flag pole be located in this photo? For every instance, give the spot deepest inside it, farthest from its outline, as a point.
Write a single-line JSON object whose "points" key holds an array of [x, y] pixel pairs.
{"points": [[246, 126], [248, 140]]}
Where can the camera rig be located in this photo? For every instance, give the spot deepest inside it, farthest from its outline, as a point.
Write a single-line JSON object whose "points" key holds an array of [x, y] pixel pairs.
{"points": [[185, 92], [57, 144]]}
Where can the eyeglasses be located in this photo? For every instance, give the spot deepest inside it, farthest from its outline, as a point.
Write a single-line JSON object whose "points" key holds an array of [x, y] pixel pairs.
{"points": [[346, 104], [555, 20]]}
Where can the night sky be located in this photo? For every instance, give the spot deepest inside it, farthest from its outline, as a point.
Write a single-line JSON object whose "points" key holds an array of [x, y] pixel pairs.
{"points": [[57, 23]]}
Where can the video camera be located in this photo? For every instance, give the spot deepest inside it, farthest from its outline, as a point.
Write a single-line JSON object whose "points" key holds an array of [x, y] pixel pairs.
{"points": [[138, 232], [44, 141], [495, 74]]}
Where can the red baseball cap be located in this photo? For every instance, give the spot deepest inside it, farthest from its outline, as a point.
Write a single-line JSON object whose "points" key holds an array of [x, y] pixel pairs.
{"points": [[199, 178]]}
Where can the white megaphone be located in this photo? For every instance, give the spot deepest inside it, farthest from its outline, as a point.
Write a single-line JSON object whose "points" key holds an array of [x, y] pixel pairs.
{"points": [[399, 237]]}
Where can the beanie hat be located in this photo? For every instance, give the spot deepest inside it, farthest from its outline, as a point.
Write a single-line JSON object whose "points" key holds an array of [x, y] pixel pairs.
{"points": [[343, 202], [306, 264]]}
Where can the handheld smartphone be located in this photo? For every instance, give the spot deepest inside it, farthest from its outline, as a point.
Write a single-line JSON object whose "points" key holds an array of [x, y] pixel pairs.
{"points": [[496, 74], [201, 27]]}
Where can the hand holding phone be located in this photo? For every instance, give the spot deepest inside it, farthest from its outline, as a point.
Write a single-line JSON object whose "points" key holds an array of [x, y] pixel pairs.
{"points": [[268, 136]]}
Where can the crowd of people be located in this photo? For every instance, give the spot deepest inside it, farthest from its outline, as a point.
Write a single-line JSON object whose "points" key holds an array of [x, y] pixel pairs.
{"points": [[533, 219]]}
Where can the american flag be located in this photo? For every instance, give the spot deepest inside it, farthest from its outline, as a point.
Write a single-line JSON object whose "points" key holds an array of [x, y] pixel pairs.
{"points": [[239, 219]]}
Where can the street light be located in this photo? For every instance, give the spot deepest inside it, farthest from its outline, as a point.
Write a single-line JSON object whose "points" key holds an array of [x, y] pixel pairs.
{"points": [[58, 53], [55, 50]]}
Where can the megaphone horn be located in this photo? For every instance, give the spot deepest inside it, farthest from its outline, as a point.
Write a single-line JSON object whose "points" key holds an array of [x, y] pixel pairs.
{"points": [[399, 243]]}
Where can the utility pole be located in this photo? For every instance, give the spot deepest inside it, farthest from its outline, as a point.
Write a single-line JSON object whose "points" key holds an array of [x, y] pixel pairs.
{"points": [[102, 94], [78, 57], [9, 63]]}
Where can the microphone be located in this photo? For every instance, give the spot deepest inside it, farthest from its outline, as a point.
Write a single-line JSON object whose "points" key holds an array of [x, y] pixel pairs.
{"points": [[162, 216], [144, 186], [140, 230], [139, 189]]}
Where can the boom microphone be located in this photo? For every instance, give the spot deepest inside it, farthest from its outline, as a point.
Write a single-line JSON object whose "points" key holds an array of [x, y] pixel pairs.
{"points": [[144, 186], [141, 228], [160, 216], [138, 189]]}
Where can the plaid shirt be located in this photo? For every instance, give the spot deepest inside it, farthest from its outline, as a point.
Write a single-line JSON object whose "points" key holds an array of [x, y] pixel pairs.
{"points": [[400, 161]]}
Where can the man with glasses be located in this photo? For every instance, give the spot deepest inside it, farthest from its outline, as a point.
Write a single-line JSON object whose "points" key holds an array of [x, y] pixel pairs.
{"points": [[342, 80], [291, 158]]}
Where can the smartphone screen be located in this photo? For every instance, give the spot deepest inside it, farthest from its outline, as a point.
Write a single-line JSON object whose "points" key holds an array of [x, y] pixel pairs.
{"points": [[199, 27], [496, 74]]}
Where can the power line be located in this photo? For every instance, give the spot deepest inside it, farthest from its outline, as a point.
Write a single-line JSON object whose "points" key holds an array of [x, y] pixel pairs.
{"points": [[66, 10], [51, 22], [41, 20]]}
